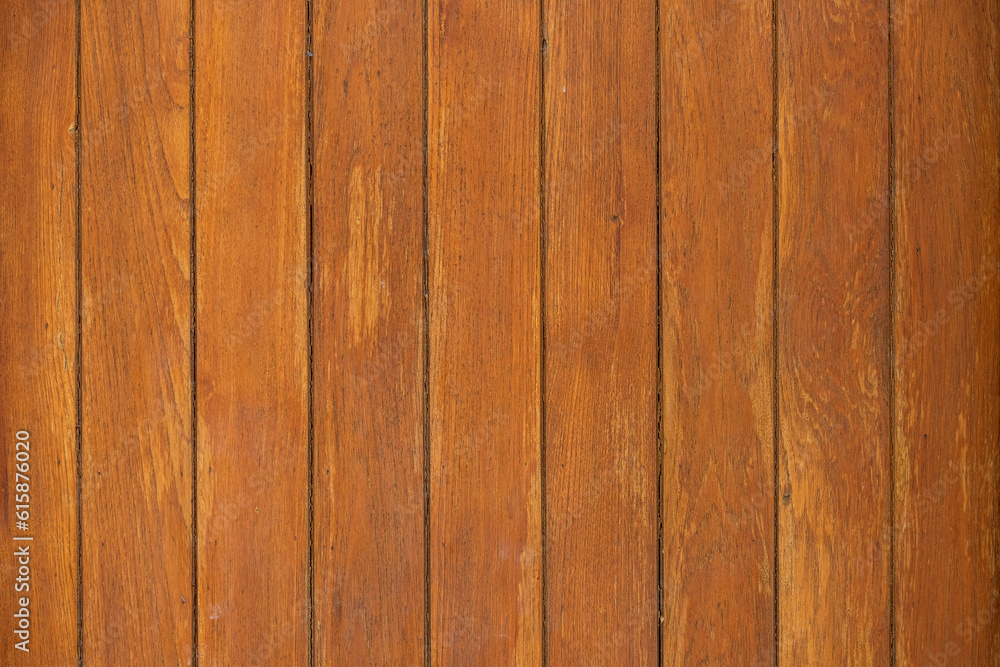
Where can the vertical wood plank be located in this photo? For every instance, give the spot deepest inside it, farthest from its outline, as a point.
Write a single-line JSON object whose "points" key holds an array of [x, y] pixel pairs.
{"points": [[834, 334], [600, 272], [38, 329], [135, 175], [368, 347], [947, 334], [717, 259], [252, 366], [483, 196]]}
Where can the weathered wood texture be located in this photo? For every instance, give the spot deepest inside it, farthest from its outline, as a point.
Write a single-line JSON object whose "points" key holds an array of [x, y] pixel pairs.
{"points": [[717, 310], [485, 326], [252, 357], [600, 303], [947, 334], [136, 316], [38, 327], [834, 334], [369, 337], [469, 332]]}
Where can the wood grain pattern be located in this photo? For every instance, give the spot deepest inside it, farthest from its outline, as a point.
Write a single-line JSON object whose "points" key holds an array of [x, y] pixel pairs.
{"points": [[600, 272], [135, 256], [415, 246], [947, 526], [834, 334], [38, 328], [369, 339], [252, 366], [483, 192], [717, 254]]}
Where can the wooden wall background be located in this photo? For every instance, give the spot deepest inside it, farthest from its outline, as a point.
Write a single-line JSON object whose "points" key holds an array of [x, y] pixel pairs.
{"points": [[469, 332]]}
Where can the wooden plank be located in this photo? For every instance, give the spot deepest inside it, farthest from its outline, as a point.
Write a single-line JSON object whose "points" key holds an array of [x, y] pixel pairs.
{"points": [[718, 325], [252, 360], [135, 254], [600, 302], [947, 331], [38, 330], [834, 334], [368, 325], [483, 195]]}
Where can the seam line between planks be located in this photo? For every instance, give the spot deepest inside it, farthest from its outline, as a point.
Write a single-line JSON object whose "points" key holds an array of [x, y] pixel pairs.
{"points": [[659, 347], [775, 319], [892, 333], [311, 422], [194, 334], [425, 269], [543, 325], [78, 145]]}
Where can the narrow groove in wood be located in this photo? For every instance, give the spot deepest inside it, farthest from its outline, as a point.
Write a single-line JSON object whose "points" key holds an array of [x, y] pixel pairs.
{"points": [[892, 343], [311, 413], [775, 386], [542, 331], [78, 145], [194, 338], [427, 352], [659, 350]]}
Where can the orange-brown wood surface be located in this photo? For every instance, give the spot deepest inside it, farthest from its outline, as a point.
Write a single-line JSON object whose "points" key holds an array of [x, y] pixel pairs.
{"points": [[947, 332], [834, 334], [718, 366], [600, 333], [136, 333], [460, 332], [368, 241], [252, 338], [485, 333], [38, 333]]}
